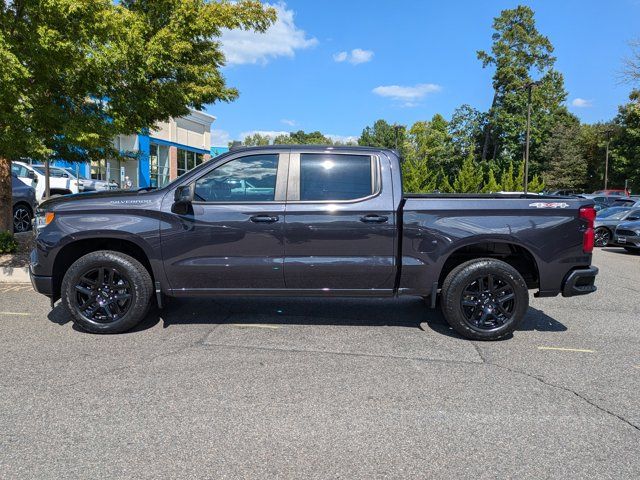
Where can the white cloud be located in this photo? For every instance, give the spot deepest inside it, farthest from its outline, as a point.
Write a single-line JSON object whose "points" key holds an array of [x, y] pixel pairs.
{"points": [[343, 138], [265, 133], [220, 138], [340, 56], [407, 95], [282, 39], [291, 123], [355, 57], [582, 103]]}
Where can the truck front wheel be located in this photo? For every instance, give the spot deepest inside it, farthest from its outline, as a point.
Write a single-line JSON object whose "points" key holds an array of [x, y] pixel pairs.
{"points": [[484, 299], [106, 292]]}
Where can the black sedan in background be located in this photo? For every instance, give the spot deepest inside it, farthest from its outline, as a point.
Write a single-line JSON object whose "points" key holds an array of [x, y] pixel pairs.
{"points": [[24, 205], [608, 219]]}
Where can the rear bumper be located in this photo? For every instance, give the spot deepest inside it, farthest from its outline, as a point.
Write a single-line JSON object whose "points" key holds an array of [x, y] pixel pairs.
{"points": [[579, 282]]}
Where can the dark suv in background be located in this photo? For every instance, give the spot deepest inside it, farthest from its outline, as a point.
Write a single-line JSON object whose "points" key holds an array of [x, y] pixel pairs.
{"points": [[24, 205]]}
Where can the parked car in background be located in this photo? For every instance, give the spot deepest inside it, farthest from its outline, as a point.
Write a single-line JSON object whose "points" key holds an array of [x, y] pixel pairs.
{"points": [[24, 204], [628, 236], [92, 184], [60, 181], [564, 193], [624, 202], [613, 192], [608, 219]]}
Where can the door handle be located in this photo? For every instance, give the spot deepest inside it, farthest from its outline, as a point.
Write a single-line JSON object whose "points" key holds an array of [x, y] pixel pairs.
{"points": [[374, 219], [264, 219]]}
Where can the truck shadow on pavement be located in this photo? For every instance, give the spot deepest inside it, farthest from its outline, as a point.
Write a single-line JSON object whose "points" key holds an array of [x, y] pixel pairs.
{"points": [[408, 312]]}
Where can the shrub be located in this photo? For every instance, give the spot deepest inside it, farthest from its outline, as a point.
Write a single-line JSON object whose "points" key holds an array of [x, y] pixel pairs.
{"points": [[8, 244]]}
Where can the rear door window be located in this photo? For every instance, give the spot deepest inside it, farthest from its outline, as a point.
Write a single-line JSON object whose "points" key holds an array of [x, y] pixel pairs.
{"points": [[331, 177]]}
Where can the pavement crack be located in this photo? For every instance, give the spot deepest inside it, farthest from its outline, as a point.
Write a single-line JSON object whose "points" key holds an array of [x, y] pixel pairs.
{"points": [[335, 352], [479, 352], [568, 390]]}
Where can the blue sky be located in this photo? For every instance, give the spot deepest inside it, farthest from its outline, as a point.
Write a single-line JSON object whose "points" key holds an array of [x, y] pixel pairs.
{"points": [[338, 66]]}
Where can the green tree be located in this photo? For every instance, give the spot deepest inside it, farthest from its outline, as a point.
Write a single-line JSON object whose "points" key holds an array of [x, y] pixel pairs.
{"points": [[430, 142], [567, 167], [507, 182], [256, 140], [518, 53], [384, 135], [491, 185], [302, 138], [469, 178], [417, 177], [444, 185], [74, 74], [536, 185], [625, 164], [465, 130]]}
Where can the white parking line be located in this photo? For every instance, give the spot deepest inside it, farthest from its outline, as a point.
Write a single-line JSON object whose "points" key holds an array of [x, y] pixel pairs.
{"points": [[19, 314], [254, 325], [562, 349]]}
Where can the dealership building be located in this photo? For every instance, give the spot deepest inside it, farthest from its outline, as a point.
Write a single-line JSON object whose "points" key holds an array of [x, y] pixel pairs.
{"points": [[155, 158]]}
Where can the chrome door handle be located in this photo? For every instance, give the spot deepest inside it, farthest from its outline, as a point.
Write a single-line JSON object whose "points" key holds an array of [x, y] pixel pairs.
{"points": [[374, 219], [264, 219]]}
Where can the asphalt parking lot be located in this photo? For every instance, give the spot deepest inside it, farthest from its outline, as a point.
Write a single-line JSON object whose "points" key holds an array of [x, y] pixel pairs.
{"points": [[337, 388]]}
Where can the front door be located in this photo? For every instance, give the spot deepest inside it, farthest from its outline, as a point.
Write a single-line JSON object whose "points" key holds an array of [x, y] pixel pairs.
{"points": [[340, 225], [233, 238]]}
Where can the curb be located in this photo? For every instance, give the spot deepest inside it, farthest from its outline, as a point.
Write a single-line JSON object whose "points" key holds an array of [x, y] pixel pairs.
{"points": [[14, 275]]}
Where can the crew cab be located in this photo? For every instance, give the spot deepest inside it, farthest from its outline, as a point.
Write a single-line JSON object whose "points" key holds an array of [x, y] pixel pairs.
{"points": [[310, 221]]}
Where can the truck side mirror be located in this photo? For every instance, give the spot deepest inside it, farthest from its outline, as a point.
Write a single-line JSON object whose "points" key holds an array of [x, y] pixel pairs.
{"points": [[182, 200]]}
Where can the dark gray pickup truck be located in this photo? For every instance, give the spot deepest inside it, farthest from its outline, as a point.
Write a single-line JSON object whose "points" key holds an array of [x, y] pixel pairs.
{"points": [[300, 220]]}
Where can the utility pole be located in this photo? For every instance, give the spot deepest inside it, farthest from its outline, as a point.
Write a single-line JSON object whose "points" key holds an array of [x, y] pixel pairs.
{"points": [[606, 161], [529, 86]]}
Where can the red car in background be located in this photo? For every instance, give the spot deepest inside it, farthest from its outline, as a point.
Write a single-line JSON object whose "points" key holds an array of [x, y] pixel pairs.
{"points": [[613, 192]]}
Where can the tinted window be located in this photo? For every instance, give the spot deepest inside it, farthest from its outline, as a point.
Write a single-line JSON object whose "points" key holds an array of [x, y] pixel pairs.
{"points": [[335, 177], [245, 179]]}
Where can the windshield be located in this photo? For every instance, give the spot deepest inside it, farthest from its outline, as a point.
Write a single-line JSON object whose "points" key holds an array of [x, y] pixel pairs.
{"points": [[613, 213], [73, 172]]}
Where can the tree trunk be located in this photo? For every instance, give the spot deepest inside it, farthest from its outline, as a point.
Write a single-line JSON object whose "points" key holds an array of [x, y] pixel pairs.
{"points": [[6, 204], [487, 128]]}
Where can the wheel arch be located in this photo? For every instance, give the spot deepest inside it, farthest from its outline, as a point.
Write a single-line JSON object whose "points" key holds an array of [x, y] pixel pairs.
{"points": [[73, 250], [516, 255]]}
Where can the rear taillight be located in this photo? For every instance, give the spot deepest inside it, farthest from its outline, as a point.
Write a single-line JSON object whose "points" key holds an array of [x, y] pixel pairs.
{"points": [[588, 214]]}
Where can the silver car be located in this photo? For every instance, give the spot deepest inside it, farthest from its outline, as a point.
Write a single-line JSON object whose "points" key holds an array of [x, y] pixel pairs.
{"points": [[628, 235], [608, 219]]}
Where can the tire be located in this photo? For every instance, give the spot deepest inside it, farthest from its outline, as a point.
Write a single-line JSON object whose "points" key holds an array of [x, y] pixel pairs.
{"points": [[484, 316], [22, 217], [602, 237], [113, 301]]}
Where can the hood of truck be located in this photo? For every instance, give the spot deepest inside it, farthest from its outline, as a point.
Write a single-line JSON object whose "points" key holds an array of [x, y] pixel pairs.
{"points": [[102, 200]]}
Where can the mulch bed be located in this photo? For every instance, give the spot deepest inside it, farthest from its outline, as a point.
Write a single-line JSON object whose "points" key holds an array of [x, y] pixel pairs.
{"points": [[26, 242]]}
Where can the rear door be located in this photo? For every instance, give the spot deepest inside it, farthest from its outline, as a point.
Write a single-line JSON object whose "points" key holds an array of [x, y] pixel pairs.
{"points": [[340, 224]]}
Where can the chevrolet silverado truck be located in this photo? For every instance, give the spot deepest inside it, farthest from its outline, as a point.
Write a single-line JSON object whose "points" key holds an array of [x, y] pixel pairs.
{"points": [[310, 221]]}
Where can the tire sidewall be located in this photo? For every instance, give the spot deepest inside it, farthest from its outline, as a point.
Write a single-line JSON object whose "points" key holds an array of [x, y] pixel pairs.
{"points": [[462, 276], [128, 267]]}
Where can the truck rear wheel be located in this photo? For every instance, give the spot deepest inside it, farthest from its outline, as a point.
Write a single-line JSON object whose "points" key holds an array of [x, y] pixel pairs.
{"points": [[484, 299], [106, 292]]}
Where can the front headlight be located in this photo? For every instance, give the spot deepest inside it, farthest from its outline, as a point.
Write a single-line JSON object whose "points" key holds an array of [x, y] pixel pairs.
{"points": [[43, 219]]}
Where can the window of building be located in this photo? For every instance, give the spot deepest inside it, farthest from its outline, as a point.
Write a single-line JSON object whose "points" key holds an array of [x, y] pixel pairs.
{"points": [[159, 165], [188, 160], [335, 177], [245, 179]]}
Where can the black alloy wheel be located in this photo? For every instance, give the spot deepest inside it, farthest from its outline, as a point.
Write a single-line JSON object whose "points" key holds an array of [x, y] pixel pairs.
{"points": [[488, 302], [602, 237], [103, 295], [21, 219]]}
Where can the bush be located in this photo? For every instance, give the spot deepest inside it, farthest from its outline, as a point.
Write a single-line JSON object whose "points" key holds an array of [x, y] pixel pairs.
{"points": [[8, 244]]}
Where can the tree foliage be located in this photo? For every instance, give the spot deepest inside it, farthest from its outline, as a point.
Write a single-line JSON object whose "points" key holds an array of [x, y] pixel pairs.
{"points": [[75, 73]]}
